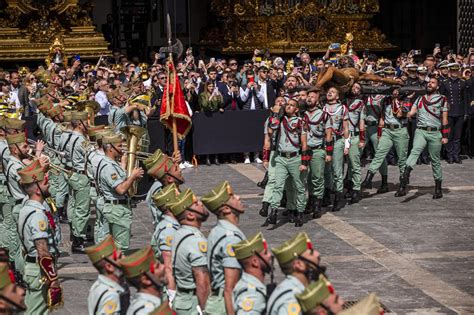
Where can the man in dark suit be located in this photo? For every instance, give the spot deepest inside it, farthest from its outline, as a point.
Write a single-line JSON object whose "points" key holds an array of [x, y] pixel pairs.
{"points": [[269, 87]]}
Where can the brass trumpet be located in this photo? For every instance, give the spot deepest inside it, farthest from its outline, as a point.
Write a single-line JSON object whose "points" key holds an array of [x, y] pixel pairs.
{"points": [[47, 149]]}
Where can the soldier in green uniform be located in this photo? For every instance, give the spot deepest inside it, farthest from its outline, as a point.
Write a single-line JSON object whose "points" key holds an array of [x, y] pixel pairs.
{"points": [[373, 112], [189, 255], [355, 105], [300, 264], [165, 171], [12, 296], [118, 115], [147, 275], [432, 131], [337, 119], [288, 160], [250, 293], [223, 266], [114, 184], [78, 181], [392, 130], [320, 298], [65, 163], [109, 294], [319, 140], [36, 228], [164, 234]]}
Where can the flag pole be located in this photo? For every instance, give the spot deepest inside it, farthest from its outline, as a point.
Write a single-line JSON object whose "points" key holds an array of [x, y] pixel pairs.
{"points": [[174, 128]]}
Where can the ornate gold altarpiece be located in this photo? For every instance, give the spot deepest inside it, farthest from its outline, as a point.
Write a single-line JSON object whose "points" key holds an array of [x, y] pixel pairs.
{"points": [[30, 28], [283, 26]]}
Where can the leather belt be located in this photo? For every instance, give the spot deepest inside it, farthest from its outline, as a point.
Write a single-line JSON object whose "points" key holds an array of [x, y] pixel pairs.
{"points": [[316, 147], [217, 292], [288, 154], [117, 202], [19, 201], [355, 133], [187, 291], [429, 128], [392, 127], [339, 137], [371, 123], [30, 259]]}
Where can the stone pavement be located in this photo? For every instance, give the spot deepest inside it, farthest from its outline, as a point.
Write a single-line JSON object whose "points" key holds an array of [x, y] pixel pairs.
{"points": [[416, 253]]}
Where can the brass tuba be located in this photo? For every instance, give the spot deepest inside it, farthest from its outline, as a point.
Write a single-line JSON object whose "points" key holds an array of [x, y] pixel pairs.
{"points": [[133, 135]]}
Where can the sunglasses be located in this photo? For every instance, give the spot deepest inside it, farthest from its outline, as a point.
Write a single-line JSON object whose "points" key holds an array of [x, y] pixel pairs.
{"points": [[162, 78], [232, 64]]}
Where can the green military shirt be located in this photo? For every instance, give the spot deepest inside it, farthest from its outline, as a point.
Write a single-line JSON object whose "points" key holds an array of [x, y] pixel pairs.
{"points": [[110, 175], [155, 212], [373, 108], [315, 126], [220, 254], [93, 159], [40, 120], [291, 129], [283, 300], [4, 159], [118, 118], [163, 236], [13, 179], [104, 297], [76, 151], [249, 296], [189, 249], [430, 110], [356, 113], [51, 133], [143, 304], [64, 140], [390, 108], [33, 224], [335, 115]]}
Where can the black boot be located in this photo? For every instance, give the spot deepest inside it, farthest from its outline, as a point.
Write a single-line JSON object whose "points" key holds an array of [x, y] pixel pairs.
{"points": [[367, 183], [299, 219], [63, 215], [309, 205], [338, 201], [450, 160], [216, 161], [457, 159], [78, 246], [272, 217], [264, 211], [355, 197], [384, 187], [349, 187], [402, 188], [326, 198], [438, 191], [291, 214], [262, 184], [208, 161], [317, 211]]}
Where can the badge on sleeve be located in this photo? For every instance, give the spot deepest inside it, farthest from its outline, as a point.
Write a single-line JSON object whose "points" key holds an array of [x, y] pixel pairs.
{"points": [[294, 309], [42, 225], [168, 240], [110, 307], [247, 304], [203, 247], [114, 176], [230, 250]]}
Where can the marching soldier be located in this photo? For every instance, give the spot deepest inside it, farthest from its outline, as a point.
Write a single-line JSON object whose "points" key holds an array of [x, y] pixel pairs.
{"points": [[78, 181], [250, 293], [147, 275], [432, 131], [109, 294], [165, 171], [455, 91], [12, 296], [356, 107], [288, 160], [320, 298], [392, 131], [320, 146], [223, 266], [36, 228], [164, 233], [189, 255], [65, 163], [337, 119], [114, 184], [300, 264]]}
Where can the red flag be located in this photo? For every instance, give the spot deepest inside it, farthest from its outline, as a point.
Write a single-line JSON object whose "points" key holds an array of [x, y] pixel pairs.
{"points": [[173, 105]]}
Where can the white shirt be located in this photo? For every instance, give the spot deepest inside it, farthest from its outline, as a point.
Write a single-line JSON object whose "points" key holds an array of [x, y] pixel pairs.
{"points": [[101, 98], [13, 98], [245, 94], [263, 90]]}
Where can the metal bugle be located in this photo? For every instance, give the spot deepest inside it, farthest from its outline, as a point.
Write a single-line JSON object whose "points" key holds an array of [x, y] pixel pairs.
{"points": [[48, 149], [53, 166]]}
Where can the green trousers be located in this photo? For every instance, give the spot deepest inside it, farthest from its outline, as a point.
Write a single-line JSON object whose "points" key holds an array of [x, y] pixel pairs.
{"points": [[80, 188], [354, 168], [338, 165], [432, 140], [215, 304], [185, 304], [397, 138], [371, 133], [58, 186], [36, 294], [267, 194], [119, 219], [289, 168], [18, 257], [8, 230], [317, 166], [101, 228]]}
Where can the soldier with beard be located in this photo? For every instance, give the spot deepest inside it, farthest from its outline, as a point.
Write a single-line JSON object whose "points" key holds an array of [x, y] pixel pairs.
{"points": [[12, 296], [250, 293], [109, 294], [147, 275]]}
